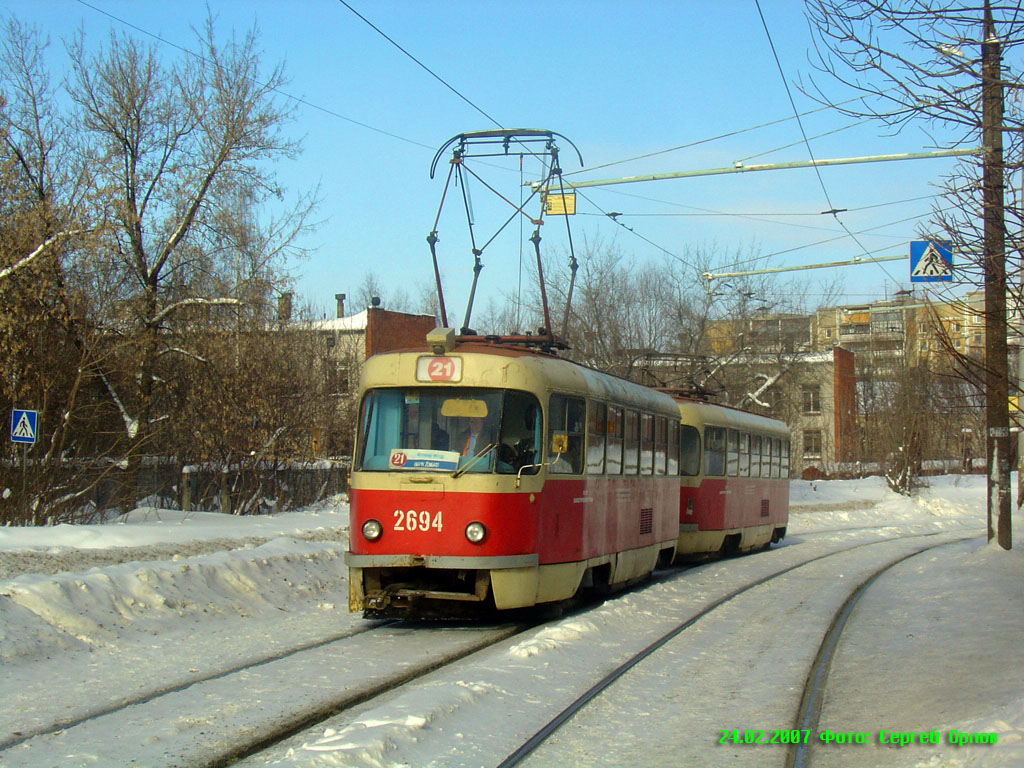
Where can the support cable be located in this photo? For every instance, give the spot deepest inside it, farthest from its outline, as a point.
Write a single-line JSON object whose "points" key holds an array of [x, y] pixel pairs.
{"points": [[832, 209], [419, 63]]}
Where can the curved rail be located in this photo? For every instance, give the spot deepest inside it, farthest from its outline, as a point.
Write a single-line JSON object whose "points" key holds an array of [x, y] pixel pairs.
{"points": [[817, 678], [555, 723]]}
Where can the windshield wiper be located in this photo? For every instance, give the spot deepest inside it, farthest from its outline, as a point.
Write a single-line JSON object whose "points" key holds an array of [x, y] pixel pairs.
{"points": [[472, 462]]}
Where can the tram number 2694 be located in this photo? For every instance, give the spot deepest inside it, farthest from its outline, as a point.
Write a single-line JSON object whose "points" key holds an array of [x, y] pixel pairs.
{"points": [[412, 520]]}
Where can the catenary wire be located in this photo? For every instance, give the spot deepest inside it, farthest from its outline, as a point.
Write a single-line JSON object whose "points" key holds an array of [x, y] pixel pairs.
{"points": [[296, 99], [831, 208], [367, 126], [825, 242], [427, 69], [697, 143], [797, 143]]}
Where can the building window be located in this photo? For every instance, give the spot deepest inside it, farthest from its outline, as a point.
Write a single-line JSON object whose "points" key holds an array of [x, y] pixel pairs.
{"points": [[811, 399], [887, 322], [828, 333], [812, 443]]}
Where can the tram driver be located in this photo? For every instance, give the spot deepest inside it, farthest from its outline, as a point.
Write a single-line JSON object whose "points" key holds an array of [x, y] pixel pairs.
{"points": [[477, 436]]}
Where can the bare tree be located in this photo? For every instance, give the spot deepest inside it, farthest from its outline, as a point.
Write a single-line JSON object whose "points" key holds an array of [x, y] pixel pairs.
{"points": [[168, 149], [373, 290], [52, 357], [915, 62]]}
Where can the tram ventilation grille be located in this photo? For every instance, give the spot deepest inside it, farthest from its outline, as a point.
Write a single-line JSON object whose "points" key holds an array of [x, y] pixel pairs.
{"points": [[646, 520], [764, 507]]}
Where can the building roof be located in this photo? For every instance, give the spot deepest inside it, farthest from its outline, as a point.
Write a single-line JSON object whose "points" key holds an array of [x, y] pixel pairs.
{"points": [[352, 323]]}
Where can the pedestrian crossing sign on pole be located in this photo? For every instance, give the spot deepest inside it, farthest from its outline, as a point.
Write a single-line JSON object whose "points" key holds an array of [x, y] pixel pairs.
{"points": [[23, 426], [931, 261]]}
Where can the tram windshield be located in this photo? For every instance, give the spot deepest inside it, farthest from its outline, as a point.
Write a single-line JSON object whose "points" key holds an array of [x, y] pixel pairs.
{"points": [[449, 429]]}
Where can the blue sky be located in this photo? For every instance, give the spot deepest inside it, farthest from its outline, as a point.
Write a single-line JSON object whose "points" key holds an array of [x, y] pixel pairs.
{"points": [[619, 79]]}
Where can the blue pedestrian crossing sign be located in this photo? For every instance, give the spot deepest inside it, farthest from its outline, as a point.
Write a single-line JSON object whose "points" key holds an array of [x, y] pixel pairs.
{"points": [[931, 261], [23, 426]]}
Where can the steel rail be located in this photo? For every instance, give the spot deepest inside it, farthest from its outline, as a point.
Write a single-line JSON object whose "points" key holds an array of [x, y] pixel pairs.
{"points": [[608, 680]]}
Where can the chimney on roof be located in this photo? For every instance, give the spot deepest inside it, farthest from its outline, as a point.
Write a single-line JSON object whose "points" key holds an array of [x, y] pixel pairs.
{"points": [[340, 298], [284, 307]]}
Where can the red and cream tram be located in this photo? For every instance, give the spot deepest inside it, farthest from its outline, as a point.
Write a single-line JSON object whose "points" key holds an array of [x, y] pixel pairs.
{"points": [[493, 476], [734, 480]]}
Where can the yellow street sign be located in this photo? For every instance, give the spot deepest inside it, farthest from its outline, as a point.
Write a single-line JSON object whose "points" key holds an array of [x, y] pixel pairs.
{"points": [[560, 205]]}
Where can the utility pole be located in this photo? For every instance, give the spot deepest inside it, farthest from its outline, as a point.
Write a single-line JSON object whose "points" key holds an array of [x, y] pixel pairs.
{"points": [[997, 423]]}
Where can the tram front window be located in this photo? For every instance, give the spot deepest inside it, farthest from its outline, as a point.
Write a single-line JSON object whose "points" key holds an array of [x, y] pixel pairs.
{"points": [[463, 429]]}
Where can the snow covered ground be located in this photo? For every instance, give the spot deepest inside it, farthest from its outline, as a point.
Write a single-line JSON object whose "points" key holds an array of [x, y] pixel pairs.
{"points": [[159, 596]]}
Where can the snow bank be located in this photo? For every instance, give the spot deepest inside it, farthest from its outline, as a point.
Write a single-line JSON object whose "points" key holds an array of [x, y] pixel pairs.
{"points": [[863, 492], [103, 606], [161, 571]]}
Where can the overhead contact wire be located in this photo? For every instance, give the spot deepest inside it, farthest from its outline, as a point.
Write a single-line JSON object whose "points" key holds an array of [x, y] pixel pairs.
{"points": [[285, 94], [419, 63], [817, 171]]}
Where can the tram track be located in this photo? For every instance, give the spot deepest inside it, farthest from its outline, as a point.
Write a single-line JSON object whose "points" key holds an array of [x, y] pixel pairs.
{"points": [[541, 735], [214, 748], [816, 678], [809, 712], [111, 708], [264, 740]]}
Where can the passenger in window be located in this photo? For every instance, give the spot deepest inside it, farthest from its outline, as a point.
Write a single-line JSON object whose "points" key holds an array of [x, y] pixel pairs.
{"points": [[439, 438]]}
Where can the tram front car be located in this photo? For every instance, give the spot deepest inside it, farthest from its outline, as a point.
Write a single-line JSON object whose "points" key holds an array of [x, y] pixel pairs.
{"points": [[444, 473], [457, 509]]}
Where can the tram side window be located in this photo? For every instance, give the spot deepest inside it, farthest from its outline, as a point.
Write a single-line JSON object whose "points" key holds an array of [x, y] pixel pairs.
{"points": [[689, 451], [567, 417], [744, 454], [632, 459], [732, 456], [597, 428], [766, 457], [776, 455], [755, 455], [784, 466], [613, 454], [660, 436], [714, 451], [646, 444], [673, 448]]}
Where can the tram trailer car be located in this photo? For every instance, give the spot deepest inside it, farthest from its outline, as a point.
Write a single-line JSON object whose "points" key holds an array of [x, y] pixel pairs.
{"points": [[571, 480], [734, 480]]}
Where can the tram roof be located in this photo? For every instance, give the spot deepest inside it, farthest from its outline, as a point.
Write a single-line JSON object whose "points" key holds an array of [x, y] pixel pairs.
{"points": [[523, 368]]}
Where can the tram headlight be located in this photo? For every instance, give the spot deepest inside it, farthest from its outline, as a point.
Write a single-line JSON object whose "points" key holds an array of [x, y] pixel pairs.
{"points": [[476, 532], [372, 530]]}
